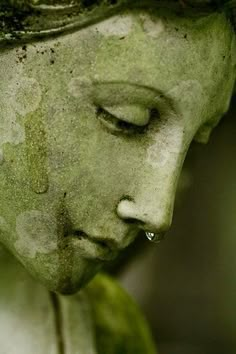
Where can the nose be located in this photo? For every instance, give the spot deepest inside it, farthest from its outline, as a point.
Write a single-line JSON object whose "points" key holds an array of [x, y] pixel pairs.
{"points": [[149, 214], [150, 204]]}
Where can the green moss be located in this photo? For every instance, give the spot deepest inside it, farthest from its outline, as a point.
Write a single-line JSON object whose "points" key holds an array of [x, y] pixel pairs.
{"points": [[119, 325], [36, 153]]}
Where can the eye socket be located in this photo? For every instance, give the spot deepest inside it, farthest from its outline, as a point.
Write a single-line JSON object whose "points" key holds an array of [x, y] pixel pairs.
{"points": [[119, 125]]}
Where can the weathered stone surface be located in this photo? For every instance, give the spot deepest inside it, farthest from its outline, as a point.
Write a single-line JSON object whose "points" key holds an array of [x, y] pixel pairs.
{"points": [[94, 128], [100, 319]]}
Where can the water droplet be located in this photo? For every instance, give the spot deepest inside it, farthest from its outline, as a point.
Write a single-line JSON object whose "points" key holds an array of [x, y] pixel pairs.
{"points": [[156, 238]]}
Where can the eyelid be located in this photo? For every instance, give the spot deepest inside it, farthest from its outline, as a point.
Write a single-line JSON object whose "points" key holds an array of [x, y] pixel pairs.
{"points": [[133, 114], [105, 93]]}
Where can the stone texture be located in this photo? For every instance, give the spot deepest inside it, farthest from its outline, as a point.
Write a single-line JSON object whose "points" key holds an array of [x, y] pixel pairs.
{"points": [[95, 126]]}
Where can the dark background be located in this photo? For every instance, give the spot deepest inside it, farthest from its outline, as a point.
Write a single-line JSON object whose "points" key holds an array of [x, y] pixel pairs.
{"points": [[186, 286]]}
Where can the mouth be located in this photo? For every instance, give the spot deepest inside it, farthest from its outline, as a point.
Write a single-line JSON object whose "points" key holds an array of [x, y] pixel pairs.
{"points": [[99, 248]]}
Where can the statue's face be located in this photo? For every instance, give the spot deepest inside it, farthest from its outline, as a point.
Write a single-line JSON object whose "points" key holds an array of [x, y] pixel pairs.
{"points": [[95, 126]]}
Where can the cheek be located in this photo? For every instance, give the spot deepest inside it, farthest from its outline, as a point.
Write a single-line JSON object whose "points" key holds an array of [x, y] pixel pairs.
{"points": [[37, 233], [166, 147], [82, 150], [101, 163], [94, 168], [19, 97]]}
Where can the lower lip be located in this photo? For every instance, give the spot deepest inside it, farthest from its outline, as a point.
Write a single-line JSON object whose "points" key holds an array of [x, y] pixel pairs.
{"points": [[91, 249]]}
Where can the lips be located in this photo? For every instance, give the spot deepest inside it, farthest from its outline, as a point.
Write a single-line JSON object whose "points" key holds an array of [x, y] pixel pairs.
{"points": [[104, 249]]}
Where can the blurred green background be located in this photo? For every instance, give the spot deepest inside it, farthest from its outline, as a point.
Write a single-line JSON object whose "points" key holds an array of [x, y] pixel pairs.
{"points": [[186, 286]]}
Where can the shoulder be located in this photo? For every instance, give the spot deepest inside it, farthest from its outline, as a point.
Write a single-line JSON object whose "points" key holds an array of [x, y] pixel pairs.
{"points": [[119, 325]]}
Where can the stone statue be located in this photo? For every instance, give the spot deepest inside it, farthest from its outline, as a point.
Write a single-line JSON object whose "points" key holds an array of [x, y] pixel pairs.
{"points": [[99, 103]]}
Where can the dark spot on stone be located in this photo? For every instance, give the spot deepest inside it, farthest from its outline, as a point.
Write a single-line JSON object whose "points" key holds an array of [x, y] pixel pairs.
{"points": [[80, 234], [176, 29], [88, 3], [65, 194], [122, 38], [154, 113], [127, 197], [52, 50], [223, 57], [185, 36], [24, 47], [52, 61]]}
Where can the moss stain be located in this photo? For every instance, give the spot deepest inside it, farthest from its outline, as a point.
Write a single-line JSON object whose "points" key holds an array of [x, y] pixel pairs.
{"points": [[36, 150]]}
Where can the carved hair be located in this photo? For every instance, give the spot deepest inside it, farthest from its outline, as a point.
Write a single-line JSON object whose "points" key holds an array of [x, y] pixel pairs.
{"points": [[26, 19]]}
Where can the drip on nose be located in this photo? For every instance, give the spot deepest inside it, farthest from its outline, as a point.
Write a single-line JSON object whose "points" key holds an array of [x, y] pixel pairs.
{"points": [[148, 217]]}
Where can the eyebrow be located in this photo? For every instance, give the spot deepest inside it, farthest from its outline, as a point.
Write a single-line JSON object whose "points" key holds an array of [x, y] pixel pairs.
{"points": [[120, 92]]}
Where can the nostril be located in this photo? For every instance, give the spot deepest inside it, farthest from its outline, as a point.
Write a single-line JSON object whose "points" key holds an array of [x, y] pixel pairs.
{"points": [[103, 244], [152, 217], [80, 234], [129, 212], [133, 221], [127, 197]]}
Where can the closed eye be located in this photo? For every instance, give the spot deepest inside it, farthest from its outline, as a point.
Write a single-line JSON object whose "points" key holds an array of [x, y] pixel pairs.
{"points": [[125, 125]]}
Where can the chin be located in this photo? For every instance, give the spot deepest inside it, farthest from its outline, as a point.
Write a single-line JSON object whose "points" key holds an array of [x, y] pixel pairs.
{"points": [[62, 271], [65, 279], [70, 287]]}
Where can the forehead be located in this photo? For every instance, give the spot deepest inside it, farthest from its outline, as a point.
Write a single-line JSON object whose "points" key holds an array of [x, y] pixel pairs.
{"points": [[159, 50], [187, 59], [166, 52]]}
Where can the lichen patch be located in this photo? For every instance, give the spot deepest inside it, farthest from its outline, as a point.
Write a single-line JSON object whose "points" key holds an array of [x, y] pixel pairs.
{"points": [[79, 86], [10, 131], [25, 95], [115, 26], [165, 147], [152, 28], [37, 232]]}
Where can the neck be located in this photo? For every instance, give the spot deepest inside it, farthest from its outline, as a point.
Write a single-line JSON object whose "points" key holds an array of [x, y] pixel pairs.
{"points": [[32, 320], [25, 306]]}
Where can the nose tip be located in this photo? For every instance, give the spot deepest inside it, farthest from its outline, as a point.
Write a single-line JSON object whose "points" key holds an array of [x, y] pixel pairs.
{"points": [[146, 217]]}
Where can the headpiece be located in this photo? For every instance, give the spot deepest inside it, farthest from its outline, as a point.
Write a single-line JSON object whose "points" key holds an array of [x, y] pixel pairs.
{"points": [[24, 19]]}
